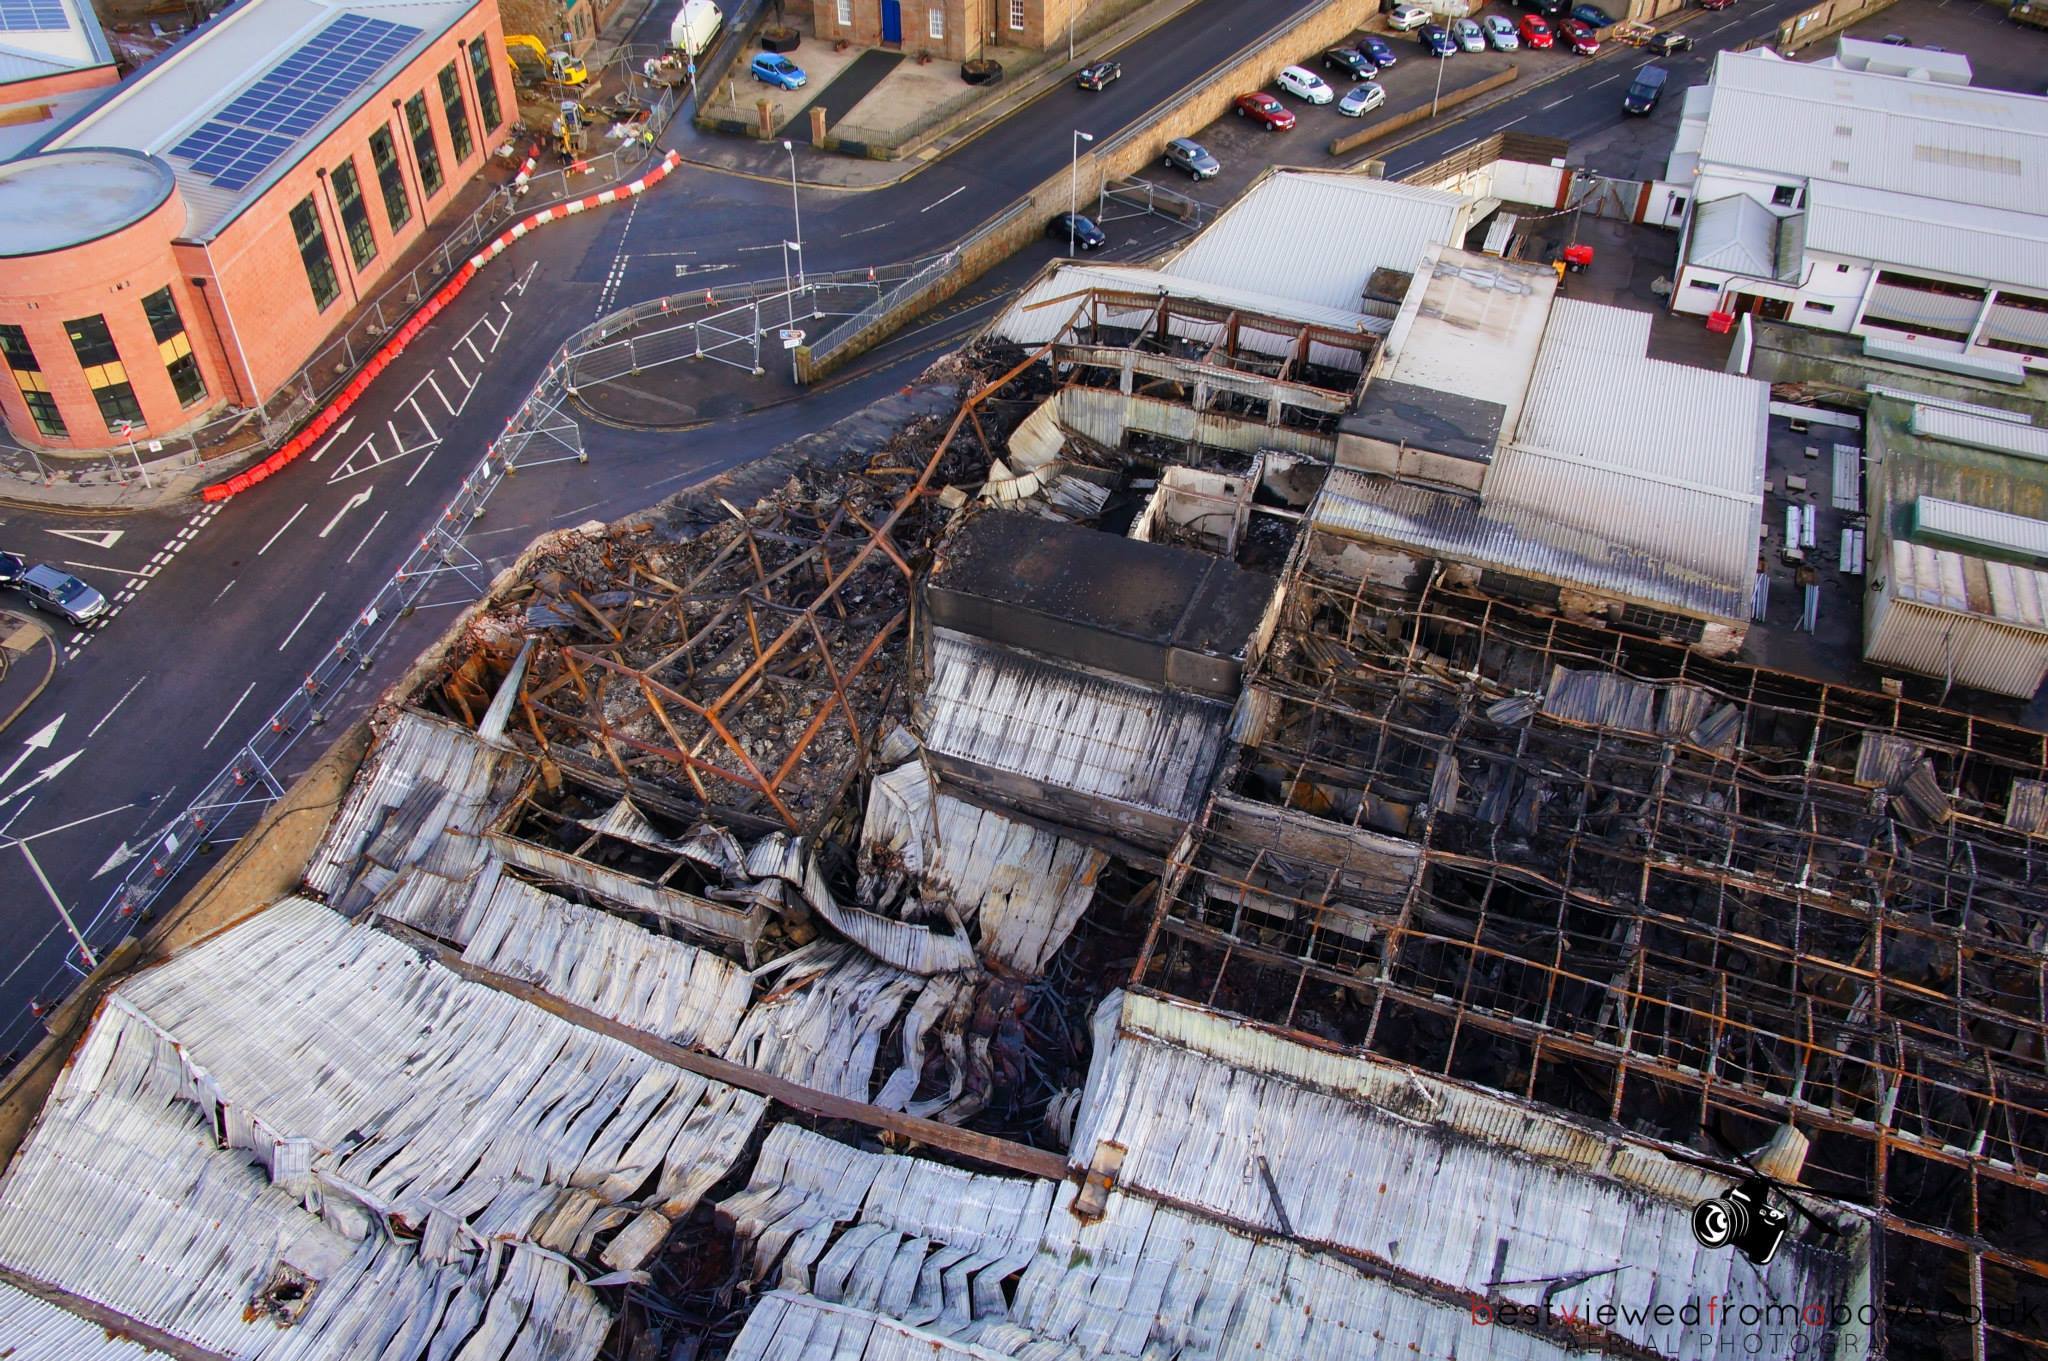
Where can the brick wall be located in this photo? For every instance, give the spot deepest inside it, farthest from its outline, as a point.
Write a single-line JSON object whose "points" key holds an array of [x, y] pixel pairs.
{"points": [[971, 25]]}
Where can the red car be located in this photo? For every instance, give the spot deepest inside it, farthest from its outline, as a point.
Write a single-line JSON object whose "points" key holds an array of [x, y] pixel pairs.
{"points": [[1715, 4], [1265, 109], [1535, 31], [1580, 38]]}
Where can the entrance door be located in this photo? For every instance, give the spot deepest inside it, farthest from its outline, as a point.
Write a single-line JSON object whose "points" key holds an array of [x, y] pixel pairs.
{"points": [[892, 22]]}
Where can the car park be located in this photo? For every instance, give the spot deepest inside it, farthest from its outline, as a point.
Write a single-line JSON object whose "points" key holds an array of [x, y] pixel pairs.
{"points": [[772, 68], [1406, 17], [1500, 32], [60, 593], [1645, 90], [1099, 75], [1665, 43], [1077, 228], [1593, 17], [1436, 41], [1380, 50], [1536, 32], [1184, 153], [1468, 35], [1350, 61], [1303, 83], [1264, 110], [1581, 39], [1361, 100]]}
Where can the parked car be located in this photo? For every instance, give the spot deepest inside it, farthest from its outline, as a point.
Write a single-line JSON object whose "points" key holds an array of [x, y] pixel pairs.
{"points": [[1645, 90], [1264, 110], [1436, 41], [772, 68], [1379, 49], [1406, 17], [1536, 31], [1500, 32], [1467, 34], [1593, 17], [1350, 61], [60, 593], [1098, 76], [1664, 44], [1581, 39], [1184, 153], [1303, 83], [1362, 100], [1549, 9], [1078, 228], [12, 565], [1723, 4]]}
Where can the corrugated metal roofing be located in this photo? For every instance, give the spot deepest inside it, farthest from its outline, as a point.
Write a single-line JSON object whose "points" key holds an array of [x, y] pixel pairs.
{"points": [[1995, 529], [1525, 542], [36, 1330], [77, 44], [1474, 328], [1969, 585], [1912, 231], [1736, 233], [2001, 435], [1316, 236], [1020, 887], [1094, 735], [1045, 307], [1960, 144], [1450, 1183], [821, 1026]]}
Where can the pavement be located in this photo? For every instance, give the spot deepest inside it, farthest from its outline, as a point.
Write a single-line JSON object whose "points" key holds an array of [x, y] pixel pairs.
{"points": [[28, 658]]}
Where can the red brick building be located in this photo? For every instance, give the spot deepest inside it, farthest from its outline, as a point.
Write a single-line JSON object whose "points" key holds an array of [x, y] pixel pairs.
{"points": [[192, 237], [950, 29]]}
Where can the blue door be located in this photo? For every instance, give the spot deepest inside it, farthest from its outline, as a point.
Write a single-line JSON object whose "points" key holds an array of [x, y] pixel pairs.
{"points": [[892, 22]]}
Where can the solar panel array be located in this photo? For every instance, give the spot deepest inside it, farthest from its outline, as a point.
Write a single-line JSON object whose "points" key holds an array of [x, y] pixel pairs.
{"points": [[259, 125], [33, 16]]}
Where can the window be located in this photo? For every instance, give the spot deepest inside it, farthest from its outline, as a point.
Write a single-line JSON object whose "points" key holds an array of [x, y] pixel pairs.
{"points": [[1707, 284], [355, 216], [173, 346], [937, 23], [1017, 15], [423, 148], [312, 238], [458, 114], [104, 372], [391, 179], [1841, 269], [845, 13], [1785, 195], [28, 376], [486, 85], [1826, 309]]}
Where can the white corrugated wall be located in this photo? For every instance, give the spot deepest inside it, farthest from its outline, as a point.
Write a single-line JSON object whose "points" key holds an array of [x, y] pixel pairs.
{"points": [[1983, 654]]}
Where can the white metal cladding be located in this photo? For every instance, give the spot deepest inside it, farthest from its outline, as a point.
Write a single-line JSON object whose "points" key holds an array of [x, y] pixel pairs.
{"points": [[1736, 233], [1969, 585], [1361, 1164], [1094, 735], [784, 865], [1909, 231], [821, 1025], [1992, 528], [1979, 432], [2017, 325], [455, 1107], [1919, 308], [1947, 403], [1022, 888], [682, 994], [1045, 308], [1317, 236], [789, 1327], [1961, 144], [425, 779], [36, 1330], [1523, 542]]}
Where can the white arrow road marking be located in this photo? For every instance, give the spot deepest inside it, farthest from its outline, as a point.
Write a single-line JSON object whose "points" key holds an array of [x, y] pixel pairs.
{"points": [[328, 443], [98, 538], [50, 772], [39, 740], [358, 499], [121, 856]]}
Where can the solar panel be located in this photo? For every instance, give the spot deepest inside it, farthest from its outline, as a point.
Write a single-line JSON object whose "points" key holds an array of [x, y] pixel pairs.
{"points": [[33, 16], [259, 125]]}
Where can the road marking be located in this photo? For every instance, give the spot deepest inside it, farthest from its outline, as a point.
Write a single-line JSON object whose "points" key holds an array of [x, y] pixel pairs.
{"points": [[117, 704], [231, 712], [438, 393], [1609, 81], [17, 815], [865, 230], [461, 377], [178, 547], [48, 772], [97, 538], [280, 530], [366, 536], [1511, 122], [296, 627], [94, 567], [223, 591], [473, 349], [39, 740], [417, 411], [358, 499], [328, 443], [422, 464], [771, 247], [134, 583], [1554, 103], [955, 194], [524, 279]]}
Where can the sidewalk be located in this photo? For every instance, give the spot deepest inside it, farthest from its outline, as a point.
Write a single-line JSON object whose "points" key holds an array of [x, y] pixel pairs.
{"points": [[28, 657], [828, 170]]}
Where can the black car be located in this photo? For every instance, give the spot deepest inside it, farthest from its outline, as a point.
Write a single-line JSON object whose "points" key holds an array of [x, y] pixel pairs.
{"points": [[12, 565], [1351, 62], [1076, 228], [1593, 17], [1645, 90], [1099, 75], [1548, 9], [1664, 44]]}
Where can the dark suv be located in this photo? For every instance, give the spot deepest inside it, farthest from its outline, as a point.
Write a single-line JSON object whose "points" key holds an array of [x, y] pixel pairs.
{"points": [[1351, 62]]}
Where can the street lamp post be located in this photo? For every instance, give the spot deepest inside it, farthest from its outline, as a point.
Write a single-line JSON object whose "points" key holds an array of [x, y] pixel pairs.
{"points": [[1074, 187], [1441, 62], [796, 210], [789, 297]]}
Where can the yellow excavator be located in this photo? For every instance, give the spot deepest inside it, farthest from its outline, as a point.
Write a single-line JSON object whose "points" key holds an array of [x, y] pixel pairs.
{"points": [[528, 55]]}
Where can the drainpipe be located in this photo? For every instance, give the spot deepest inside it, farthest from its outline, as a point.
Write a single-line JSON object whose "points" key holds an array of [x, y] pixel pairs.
{"points": [[247, 381]]}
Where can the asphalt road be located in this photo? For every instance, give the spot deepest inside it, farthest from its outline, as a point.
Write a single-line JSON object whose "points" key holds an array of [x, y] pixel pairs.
{"points": [[223, 614]]}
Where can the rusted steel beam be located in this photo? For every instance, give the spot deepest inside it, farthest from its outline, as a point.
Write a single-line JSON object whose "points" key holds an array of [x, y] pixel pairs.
{"points": [[617, 634]]}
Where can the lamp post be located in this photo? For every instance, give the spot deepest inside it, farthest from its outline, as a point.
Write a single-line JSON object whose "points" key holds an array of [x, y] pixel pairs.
{"points": [[789, 297], [796, 210], [1441, 62], [1074, 187]]}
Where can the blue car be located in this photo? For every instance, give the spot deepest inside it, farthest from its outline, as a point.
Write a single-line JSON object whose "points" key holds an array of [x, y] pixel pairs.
{"points": [[1379, 49], [775, 69], [1436, 41]]}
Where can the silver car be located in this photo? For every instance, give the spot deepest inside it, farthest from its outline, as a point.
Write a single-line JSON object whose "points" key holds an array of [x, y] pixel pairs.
{"points": [[1500, 31], [1184, 153], [60, 593], [1362, 100], [1467, 35]]}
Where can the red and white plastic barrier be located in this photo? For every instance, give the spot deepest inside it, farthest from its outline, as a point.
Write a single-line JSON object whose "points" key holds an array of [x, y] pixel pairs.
{"points": [[526, 170], [316, 429]]}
